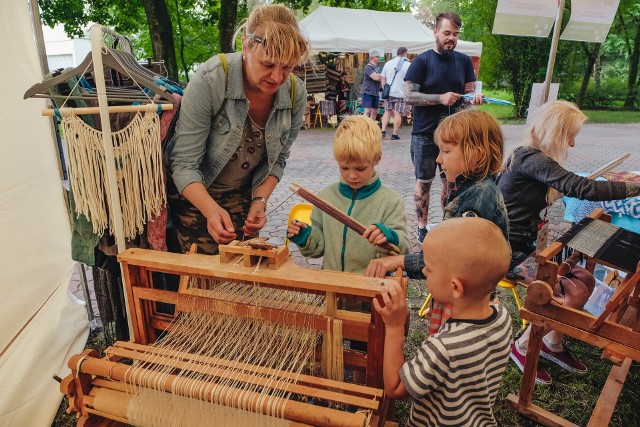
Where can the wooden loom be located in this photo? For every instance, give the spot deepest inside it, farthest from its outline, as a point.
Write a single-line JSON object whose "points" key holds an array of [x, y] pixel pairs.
{"points": [[97, 388], [616, 330]]}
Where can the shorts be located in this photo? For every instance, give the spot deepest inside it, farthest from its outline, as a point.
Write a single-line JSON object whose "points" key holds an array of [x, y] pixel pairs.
{"points": [[370, 101], [397, 104], [191, 225], [424, 153]]}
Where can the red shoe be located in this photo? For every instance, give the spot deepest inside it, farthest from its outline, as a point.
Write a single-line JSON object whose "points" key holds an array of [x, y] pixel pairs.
{"points": [[565, 359], [542, 376]]}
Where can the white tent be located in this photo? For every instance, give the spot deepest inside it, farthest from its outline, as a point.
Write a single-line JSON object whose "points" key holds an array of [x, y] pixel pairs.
{"points": [[333, 29], [41, 325]]}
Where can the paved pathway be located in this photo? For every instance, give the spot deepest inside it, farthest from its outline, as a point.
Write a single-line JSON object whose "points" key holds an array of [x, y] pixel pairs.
{"points": [[311, 165]]}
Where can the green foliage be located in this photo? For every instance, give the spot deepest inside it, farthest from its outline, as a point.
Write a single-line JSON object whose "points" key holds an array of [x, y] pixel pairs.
{"points": [[516, 63], [609, 95]]}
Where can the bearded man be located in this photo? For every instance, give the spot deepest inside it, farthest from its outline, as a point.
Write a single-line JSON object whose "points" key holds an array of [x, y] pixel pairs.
{"points": [[434, 85]]}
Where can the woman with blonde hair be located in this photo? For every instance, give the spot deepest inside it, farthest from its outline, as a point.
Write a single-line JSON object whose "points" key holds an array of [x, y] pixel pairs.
{"points": [[239, 117], [533, 178]]}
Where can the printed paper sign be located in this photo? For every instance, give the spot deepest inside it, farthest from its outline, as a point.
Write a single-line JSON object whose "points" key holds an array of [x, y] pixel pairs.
{"points": [[536, 97], [590, 20], [525, 17]]}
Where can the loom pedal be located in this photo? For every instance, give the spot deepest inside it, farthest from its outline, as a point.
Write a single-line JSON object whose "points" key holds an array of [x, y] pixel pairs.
{"points": [[252, 251]]}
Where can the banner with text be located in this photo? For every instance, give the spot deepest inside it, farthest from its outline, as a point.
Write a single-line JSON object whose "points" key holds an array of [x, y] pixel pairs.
{"points": [[590, 20], [525, 17]]}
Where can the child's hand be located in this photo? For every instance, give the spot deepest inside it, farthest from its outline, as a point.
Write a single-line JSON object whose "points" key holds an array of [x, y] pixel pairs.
{"points": [[379, 267], [374, 235], [394, 312], [294, 228]]}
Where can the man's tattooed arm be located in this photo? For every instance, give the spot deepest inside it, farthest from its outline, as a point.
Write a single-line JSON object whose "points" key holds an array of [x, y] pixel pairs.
{"points": [[412, 95]]}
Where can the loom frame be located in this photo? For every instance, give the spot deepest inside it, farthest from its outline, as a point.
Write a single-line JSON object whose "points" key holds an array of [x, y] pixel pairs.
{"points": [[616, 331], [93, 377]]}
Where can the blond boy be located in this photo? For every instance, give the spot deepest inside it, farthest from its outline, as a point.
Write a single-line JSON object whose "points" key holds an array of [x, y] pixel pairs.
{"points": [[357, 148], [455, 375]]}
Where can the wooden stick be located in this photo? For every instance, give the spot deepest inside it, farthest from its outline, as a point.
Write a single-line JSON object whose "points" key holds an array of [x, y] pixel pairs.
{"points": [[606, 168], [114, 109], [337, 214]]}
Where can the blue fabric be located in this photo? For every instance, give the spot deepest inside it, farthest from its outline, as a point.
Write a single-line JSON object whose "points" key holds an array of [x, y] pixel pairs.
{"points": [[300, 239], [391, 235], [625, 213]]}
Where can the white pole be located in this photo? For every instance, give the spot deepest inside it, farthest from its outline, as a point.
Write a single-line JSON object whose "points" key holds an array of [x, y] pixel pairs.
{"points": [[112, 181], [552, 52]]}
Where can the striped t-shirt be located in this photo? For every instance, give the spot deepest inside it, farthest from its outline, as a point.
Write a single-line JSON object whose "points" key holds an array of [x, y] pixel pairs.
{"points": [[455, 375]]}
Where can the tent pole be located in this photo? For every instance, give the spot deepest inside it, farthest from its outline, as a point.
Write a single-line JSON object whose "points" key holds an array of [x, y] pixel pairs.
{"points": [[37, 30], [552, 52]]}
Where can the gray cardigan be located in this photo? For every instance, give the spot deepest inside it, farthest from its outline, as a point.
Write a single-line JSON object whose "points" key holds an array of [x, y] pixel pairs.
{"points": [[524, 183], [203, 144]]}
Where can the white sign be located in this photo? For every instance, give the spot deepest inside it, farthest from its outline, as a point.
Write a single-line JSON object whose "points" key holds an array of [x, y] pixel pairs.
{"points": [[525, 17], [590, 20], [536, 98]]}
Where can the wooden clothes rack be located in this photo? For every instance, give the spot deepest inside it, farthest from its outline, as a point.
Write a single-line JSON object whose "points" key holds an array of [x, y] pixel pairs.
{"points": [[110, 49]]}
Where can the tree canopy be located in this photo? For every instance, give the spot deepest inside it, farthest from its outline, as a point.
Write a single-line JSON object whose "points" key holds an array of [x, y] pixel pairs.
{"points": [[184, 33]]}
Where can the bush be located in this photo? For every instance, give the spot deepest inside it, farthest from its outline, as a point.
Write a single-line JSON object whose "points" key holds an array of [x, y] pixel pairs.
{"points": [[610, 95]]}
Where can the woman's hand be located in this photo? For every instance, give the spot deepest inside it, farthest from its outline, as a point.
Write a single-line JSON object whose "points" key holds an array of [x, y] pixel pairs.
{"points": [[256, 219], [219, 225], [374, 235]]}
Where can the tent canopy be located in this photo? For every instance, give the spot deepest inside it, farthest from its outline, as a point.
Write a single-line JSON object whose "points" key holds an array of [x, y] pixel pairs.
{"points": [[333, 29]]}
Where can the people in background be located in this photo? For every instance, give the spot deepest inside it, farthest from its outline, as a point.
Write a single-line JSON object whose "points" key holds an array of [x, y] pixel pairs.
{"points": [[393, 74], [236, 127], [455, 376], [533, 178], [434, 85], [371, 85]]}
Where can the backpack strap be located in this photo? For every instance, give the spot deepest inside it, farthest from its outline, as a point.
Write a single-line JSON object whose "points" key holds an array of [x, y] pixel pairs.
{"points": [[225, 66], [293, 89]]}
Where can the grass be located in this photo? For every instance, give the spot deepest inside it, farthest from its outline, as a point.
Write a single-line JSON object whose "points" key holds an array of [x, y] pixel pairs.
{"points": [[504, 113]]}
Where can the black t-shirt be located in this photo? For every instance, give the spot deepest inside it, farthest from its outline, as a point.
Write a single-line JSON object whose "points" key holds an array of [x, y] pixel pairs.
{"points": [[438, 74]]}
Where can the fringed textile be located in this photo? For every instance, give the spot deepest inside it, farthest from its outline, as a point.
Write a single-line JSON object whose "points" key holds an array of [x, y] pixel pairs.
{"points": [[138, 161]]}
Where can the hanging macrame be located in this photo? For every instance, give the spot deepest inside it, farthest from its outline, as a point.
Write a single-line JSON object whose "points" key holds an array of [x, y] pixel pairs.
{"points": [[138, 163]]}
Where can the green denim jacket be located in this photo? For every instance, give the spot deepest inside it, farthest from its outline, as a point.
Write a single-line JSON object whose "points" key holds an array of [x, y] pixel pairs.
{"points": [[204, 142]]}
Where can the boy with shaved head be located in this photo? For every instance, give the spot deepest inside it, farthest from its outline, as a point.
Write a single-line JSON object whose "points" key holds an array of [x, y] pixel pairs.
{"points": [[455, 375]]}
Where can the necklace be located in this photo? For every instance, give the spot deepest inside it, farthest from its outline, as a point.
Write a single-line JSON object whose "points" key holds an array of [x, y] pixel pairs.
{"points": [[254, 123]]}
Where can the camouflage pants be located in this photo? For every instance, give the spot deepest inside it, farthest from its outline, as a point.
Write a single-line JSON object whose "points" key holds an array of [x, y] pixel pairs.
{"points": [[191, 225]]}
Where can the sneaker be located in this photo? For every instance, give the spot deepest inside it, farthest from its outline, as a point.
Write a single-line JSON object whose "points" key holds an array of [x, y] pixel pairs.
{"points": [[421, 232], [565, 359], [542, 376], [395, 137], [384, 133]]}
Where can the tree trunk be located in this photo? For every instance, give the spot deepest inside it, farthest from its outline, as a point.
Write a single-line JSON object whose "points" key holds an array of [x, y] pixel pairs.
{"points": [[632, 85], [592, 54], [161, 32], [227, 24], [182, 60]]}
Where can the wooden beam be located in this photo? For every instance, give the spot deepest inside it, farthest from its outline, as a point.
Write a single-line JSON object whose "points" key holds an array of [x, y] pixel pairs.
{"points": [[609, 395]]}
